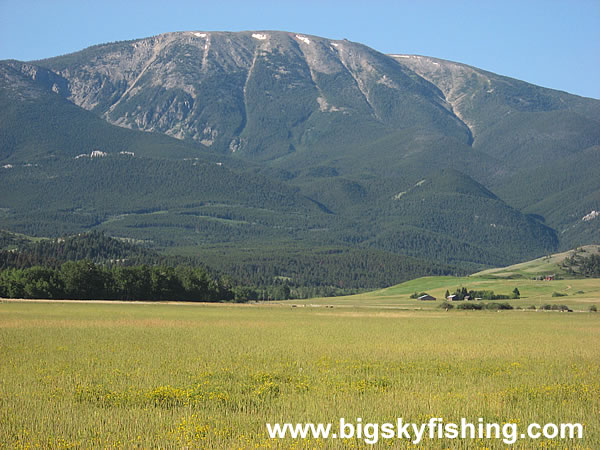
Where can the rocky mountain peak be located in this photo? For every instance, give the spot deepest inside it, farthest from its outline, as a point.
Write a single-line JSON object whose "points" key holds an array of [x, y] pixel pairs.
{"points": [[215, 88]]}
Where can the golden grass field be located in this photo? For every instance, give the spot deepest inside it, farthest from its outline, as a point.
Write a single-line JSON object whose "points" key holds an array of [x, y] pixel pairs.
{"points": [[89, 375]]}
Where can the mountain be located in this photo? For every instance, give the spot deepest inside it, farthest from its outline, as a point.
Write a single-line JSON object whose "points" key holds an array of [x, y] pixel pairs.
{"points": [[447, 210], [513, 121], [267, 143], [266, 94], [36, 123], [545, 141]]}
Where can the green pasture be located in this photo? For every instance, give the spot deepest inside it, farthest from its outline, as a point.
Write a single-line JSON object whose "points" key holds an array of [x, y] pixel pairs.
{"points": [[579, 295], [89, 375]]}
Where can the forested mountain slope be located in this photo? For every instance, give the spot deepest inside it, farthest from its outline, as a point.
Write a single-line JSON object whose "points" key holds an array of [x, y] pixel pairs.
{"points": [[269, 143]]}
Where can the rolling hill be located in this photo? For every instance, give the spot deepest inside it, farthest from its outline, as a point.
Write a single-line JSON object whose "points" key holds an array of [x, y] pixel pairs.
{"points": [[566, 288], [544, 266]]}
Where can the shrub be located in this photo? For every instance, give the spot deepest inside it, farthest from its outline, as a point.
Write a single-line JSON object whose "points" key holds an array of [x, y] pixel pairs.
{"points": [[470, 306], [496, 306], [593, 308], [555, 308], [558, 294]]}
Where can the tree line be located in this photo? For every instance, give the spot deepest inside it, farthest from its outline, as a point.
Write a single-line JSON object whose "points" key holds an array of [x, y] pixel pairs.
{"points": [[462, 294], [586, 266], [86, 280], [269, 275]]}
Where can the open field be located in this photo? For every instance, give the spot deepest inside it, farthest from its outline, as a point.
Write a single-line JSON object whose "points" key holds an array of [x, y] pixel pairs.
{"points": [[211, 376], [579, 295]]}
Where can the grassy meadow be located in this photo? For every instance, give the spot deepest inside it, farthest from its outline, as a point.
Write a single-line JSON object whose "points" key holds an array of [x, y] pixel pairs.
{"points": [[81, 375], [578, 294]]}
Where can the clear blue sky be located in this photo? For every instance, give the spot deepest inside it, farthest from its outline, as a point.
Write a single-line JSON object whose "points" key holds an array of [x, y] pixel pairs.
{"points": [[553, 43]]}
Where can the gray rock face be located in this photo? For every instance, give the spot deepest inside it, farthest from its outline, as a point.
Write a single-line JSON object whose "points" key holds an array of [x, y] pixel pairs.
{"points": [[256, 93], [15, 76]]}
